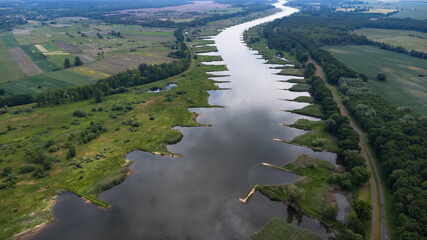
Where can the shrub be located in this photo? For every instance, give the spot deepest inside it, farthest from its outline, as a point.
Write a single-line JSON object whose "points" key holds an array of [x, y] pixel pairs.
{"points": [[318, 142], [26, 168], [6, 171], [79, 113], [71, 152], [331, 211], [39, 173], [53, 148]]}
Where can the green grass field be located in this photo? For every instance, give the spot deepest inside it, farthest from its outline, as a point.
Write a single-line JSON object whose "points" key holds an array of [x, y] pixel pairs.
{"points": [[316, 137], [279, 229], [10, 41], [51, 47], [51, 80], [58, 60], [9, 68], [406, 76], [419, 14], [396, 38], [300, 87], [38, 58], [313, 110]]}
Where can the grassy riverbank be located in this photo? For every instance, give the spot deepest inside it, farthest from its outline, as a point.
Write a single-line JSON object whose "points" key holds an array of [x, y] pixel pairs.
{"points": [[313, 193], [316, 136], [132, 120], [279, 229]]}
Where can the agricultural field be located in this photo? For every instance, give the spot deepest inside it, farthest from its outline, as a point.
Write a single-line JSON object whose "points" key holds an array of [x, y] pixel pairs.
{"points": [[24, 62], [42, 82], [406, 83], [9, 68], [410, 40], [43, 47]]}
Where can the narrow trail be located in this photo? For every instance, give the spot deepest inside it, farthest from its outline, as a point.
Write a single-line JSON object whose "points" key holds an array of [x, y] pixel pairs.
{"points": [[377, 187]]}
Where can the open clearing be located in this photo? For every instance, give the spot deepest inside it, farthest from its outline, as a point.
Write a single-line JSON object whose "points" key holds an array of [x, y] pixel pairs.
{"points": [[406, 76], [24, 62], [396, 38]]}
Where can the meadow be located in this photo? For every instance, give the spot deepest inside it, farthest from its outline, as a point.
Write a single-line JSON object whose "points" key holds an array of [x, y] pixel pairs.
{"points": [[396, 38], [406, 83], [279, 229]]}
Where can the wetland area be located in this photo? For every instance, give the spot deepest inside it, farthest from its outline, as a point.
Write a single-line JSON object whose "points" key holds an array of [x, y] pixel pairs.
{"points": [[196, 196]]}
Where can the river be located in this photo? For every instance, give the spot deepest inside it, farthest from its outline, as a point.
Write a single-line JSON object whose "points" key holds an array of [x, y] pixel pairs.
{"points": [[196, 196]]}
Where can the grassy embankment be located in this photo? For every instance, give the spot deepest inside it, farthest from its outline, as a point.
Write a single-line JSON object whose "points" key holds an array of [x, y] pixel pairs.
{"points": [[317, 191], [145, 125], [279, 229], [316, 137], [406, 75]]}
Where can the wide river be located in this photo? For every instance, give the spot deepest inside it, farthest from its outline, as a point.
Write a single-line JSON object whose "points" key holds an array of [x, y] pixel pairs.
{"points": [[196, 196]]}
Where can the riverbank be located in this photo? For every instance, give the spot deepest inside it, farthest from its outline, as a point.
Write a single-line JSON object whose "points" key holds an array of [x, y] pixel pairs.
{"points": [[145, 125]]}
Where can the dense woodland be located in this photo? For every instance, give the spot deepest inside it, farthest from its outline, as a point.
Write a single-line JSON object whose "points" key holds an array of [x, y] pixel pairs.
{"points": [[397, 135]]}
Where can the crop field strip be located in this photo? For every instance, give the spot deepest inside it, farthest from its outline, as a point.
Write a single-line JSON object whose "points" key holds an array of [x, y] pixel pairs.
{"points": [[38, 58], [406, 76], [29, 68], [42, 82], [396, 38], [9, 68]]}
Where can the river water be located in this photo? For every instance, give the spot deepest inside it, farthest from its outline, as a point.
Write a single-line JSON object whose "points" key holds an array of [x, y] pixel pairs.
{"points": [[196, 196]]}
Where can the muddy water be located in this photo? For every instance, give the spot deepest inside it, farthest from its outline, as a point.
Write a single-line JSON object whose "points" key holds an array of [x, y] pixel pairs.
{"points": [[195, 197]]}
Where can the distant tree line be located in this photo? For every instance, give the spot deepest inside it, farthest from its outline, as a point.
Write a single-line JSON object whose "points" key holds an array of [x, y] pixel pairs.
{"points": [[398, 136]]}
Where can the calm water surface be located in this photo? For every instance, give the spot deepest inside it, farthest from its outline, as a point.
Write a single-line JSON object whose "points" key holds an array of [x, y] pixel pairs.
{"points": [[195, 197]]}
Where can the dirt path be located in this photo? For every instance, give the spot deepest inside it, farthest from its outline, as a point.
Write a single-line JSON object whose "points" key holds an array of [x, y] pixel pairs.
{"points": [[377, 187]]}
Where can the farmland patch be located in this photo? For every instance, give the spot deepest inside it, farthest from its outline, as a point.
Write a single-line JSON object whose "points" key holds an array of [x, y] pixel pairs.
{"points": [[411, 40], [24, 62], [9, 68], [406, 76], [38, 58], [10, 41], [67, 47]]}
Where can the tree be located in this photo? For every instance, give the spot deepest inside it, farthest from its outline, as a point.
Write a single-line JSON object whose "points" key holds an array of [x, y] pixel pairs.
{"points": [[381, 76], [355, 224], [6, 171], [348, 235], [77, 61], [331, 211], [67, 63], [363, 210], [71, 152], [98, 94], [359, 175]]}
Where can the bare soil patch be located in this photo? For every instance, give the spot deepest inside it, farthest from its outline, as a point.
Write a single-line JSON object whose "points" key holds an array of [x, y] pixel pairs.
{"points": [[66, 47], [22, 31], [85, 58], [24, 62]]}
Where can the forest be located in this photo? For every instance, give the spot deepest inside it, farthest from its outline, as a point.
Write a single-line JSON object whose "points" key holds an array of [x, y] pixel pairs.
{"points": [[397, 135]]}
